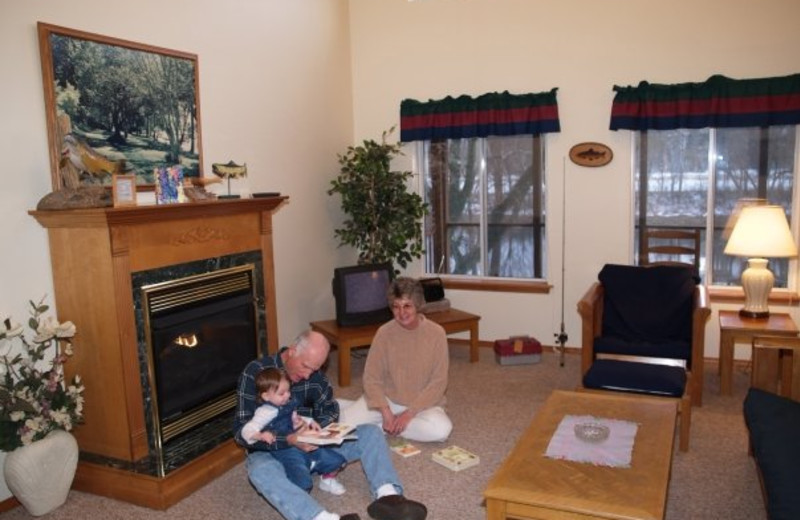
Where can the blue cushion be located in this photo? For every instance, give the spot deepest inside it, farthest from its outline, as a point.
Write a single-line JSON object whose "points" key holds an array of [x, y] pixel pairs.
{"points": [[651, 303], [774, 424], [641, 378]]}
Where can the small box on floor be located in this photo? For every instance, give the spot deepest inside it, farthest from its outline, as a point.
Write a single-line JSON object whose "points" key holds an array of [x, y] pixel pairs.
{"points": [[518, 350]]}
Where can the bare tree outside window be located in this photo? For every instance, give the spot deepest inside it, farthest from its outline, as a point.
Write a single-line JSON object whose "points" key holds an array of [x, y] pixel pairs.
{"points": [[683, 174]]}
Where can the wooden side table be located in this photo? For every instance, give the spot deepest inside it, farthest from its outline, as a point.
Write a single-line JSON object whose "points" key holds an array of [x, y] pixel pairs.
{"points": [[734, 327], [346, 338]]}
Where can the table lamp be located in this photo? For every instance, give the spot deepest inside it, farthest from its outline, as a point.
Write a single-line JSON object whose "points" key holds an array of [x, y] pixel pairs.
{"points": [[761, 231]]}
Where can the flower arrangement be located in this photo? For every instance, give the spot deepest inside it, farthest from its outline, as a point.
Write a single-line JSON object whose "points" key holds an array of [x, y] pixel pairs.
{"points": [[34, 400]]}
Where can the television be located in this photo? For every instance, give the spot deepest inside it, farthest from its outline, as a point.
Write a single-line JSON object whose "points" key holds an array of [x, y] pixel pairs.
{"points": [[360, 294]]}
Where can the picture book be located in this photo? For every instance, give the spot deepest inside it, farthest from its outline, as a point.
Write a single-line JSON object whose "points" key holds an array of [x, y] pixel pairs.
{"points": [[334, 433], [402, 447], [456, 458]]}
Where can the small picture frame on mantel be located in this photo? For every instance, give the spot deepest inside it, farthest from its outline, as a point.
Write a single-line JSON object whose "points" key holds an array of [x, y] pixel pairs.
{"points": [[124, 190]]}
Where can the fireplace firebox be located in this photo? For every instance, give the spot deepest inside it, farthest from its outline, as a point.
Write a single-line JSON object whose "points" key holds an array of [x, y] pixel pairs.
{"points": [[200, 332]]}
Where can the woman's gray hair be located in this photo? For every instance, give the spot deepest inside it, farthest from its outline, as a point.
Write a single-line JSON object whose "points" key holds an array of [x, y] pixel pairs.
{"points": [[406, 287]]}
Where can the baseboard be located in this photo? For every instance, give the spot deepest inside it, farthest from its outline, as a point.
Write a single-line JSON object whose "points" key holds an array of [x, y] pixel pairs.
{"points": [[490, 344], [9, 504]]}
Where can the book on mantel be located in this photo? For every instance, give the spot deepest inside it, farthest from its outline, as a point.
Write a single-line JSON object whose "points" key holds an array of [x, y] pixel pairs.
{"points": [[456, 458]]}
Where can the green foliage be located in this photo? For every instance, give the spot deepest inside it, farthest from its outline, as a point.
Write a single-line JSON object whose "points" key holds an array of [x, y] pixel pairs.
{"points": [[384, 219]]}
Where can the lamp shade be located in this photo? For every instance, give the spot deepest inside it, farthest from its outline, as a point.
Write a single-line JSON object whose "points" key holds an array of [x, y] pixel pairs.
{"points": [[761, 231]]}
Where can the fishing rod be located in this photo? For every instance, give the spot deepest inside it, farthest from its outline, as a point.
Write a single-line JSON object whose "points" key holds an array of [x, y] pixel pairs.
{"points": [[561, 337]]}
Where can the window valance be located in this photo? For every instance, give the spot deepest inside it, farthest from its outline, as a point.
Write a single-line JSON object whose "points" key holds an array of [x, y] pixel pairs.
{"points": [[717, 103], [489, 114]]}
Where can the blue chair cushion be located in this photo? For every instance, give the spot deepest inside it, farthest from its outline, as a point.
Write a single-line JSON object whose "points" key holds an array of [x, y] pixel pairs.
{"points": [[648, 308], [640, 378], [774, 425]]}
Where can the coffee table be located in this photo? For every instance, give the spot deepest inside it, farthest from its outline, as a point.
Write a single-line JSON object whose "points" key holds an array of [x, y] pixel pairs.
{"points": [[529, 485]]}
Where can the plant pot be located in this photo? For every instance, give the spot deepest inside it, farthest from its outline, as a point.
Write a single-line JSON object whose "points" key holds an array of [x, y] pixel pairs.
{"points": [[40, 474]]}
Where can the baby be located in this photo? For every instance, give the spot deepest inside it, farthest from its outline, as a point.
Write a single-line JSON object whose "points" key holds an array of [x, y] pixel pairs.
{"points": [[277, 417]]}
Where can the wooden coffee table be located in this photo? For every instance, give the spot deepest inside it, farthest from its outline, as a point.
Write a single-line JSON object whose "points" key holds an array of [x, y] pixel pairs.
{"points": [[346, 338], [529, 485]]}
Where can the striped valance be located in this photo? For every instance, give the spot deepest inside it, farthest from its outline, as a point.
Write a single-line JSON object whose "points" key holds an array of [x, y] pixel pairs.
{"points": [[719, 102], [482, 116]]}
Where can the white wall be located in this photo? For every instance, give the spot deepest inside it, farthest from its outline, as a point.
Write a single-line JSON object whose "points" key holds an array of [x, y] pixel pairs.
{"points": [[274, 92], [428, 49]]}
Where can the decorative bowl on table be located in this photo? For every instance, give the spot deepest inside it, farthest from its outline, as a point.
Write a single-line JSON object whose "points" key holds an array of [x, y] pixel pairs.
{"points": [[592, 432]]}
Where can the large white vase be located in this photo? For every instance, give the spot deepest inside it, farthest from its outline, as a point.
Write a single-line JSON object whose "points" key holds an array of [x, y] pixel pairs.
{"points": [[40, 474]]}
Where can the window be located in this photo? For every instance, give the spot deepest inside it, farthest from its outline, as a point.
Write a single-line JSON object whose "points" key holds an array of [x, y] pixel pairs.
{"points": [[486, 198], [693, 178]]}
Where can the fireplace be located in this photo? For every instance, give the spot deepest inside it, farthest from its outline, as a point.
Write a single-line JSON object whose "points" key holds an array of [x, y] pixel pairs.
{"points": [[200, 331], [108, 267]]}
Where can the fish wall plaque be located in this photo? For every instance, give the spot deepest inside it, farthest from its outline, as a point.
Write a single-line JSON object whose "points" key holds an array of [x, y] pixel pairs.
{"points": [[591, 154]]}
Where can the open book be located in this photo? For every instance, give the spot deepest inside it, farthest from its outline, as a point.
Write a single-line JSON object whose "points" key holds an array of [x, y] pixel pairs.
{"points": [[334, 433], [402, 447]]}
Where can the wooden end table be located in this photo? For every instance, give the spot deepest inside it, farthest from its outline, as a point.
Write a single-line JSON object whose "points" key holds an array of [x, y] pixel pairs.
{"points": [[346, 338], [529, 485], [734, 327]]}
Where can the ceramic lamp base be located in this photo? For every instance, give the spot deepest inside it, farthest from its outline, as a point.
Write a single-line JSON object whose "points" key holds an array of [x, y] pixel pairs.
{"points": [[757, 283]]}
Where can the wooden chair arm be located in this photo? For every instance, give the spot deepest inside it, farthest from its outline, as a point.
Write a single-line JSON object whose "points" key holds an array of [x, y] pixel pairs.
{"points": [[700, 314], [590, 308]]}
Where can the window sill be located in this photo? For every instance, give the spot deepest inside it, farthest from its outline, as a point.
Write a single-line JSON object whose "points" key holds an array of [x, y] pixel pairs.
{"points": [[736, 295], [500, 285]]}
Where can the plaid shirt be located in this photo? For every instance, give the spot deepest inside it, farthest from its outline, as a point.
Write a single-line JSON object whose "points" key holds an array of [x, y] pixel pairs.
{"points": [[314, 397]]}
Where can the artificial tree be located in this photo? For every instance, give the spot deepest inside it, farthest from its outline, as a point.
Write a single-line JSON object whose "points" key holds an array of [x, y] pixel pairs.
{"points": [[383, 219]]}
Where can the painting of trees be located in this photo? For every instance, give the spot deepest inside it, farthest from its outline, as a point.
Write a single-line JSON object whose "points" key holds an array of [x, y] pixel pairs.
{"points": [[125, 100]]}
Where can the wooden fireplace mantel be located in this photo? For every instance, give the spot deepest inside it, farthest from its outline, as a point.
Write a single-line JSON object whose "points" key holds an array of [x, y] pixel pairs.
{"points": [[93, 254]]}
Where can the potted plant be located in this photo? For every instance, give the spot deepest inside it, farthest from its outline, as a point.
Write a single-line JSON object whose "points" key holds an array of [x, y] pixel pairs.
{"points": [[383, 219], [37, 410]]}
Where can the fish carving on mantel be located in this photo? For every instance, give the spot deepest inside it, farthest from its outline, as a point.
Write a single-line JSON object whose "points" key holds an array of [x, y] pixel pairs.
{"points": [[591, 154]]}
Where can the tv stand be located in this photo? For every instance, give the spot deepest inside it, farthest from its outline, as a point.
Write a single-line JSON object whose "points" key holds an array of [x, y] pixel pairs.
{"points": [[346, 338]]}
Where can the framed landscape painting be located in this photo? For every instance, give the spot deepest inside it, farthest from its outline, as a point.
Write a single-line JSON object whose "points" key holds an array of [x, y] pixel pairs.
{"points": [[116, 107]]}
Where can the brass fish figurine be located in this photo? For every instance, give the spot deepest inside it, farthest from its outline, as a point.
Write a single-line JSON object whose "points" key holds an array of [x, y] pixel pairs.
{"points": [[229, 170]]}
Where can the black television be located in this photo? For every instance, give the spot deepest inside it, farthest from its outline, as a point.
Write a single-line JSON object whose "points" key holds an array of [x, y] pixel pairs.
{"points": [[360, 294]]}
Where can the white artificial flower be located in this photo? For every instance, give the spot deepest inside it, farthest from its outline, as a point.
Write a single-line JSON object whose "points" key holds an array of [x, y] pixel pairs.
{"points": [[46, 329], [65, 330], [17, 416], [9, 328]]}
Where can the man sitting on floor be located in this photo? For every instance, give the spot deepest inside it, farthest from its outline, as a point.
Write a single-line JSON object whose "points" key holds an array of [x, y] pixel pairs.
{"points": [[310, 387]]}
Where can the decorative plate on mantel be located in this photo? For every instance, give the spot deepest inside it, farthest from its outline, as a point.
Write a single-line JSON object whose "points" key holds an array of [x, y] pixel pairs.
{"points": [[591, 154]]}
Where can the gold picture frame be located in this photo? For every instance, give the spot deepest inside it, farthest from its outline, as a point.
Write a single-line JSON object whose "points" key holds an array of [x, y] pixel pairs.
{"points": [[123, 188], [117, 107]]}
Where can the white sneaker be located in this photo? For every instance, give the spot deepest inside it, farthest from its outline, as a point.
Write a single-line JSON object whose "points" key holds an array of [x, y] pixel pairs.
{"points": [[331, 485]]}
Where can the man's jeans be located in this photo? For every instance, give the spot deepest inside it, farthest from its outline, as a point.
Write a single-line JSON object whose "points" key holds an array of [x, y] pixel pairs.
{"points": [[269, 477]]}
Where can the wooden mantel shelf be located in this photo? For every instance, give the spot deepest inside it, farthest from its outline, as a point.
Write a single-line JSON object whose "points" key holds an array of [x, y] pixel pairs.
{"points": [[94, 254], [137, 214]]}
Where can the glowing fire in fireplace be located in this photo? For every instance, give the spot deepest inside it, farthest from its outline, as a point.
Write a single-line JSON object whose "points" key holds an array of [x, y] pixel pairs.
{"points": [[186, 340]]}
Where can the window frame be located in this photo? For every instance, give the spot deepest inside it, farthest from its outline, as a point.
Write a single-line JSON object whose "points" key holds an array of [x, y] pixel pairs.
{"points": [[486, 282], [723, 293]]}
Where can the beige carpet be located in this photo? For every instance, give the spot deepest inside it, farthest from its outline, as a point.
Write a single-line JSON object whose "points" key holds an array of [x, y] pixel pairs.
{"points": [[490, 406]]}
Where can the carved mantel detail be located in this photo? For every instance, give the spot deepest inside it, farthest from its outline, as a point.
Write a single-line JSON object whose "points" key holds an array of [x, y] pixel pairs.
{"points": [[199, 235]]}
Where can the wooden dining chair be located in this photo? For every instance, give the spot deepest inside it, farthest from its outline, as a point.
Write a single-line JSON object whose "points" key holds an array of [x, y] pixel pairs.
{"points": [[669, 246]]}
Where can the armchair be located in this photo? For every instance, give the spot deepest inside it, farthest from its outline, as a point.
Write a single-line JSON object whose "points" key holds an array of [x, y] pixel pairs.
{"points": [[654, 314]]}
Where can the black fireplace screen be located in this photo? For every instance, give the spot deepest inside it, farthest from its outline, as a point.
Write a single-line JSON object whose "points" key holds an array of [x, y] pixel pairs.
{"points": [[201, 332]]}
